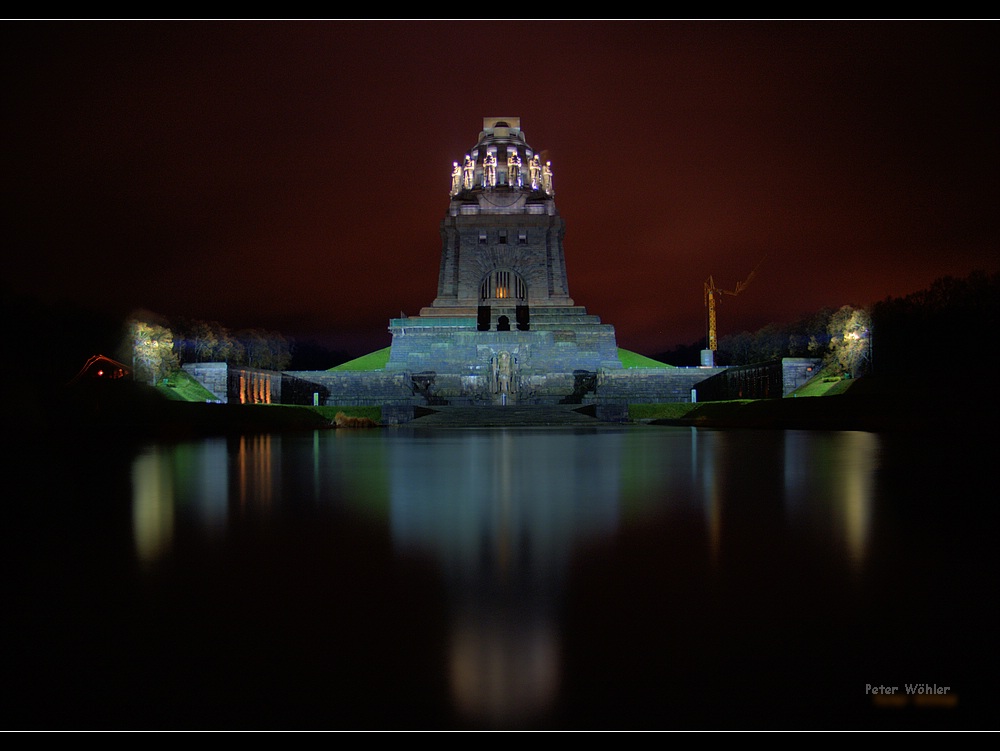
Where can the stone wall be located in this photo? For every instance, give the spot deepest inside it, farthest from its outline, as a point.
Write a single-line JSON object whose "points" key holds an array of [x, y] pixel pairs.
{"points": [[650, 385], [242, 385], [772, 379], [400, 392], [454, 346], [428, 388], [214, 376], [351, 388], [796, 371]]}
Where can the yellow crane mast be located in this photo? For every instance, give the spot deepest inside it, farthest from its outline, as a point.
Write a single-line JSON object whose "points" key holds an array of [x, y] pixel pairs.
{"points": [[711, 292]]}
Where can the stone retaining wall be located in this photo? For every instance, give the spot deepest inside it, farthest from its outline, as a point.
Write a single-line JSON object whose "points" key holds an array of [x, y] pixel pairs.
{"points": [[403, 391], [350, 388], [651, 385], [214, 376]]}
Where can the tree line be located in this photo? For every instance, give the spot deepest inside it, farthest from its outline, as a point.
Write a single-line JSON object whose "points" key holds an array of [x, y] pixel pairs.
{"points": [[952, 320], [156, 347]]}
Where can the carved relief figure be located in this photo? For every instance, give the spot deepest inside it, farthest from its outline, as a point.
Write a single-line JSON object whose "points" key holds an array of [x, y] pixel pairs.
{"points": [[503, 373]]}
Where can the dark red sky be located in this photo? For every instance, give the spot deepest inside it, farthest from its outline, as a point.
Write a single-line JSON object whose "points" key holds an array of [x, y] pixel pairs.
{"points": [[293, 175]]}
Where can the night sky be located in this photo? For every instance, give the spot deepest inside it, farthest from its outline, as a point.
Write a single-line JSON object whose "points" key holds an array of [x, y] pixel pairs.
{"points": [[292, 175]]}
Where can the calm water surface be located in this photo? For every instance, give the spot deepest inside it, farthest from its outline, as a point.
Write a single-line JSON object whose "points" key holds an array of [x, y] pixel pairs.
{"points": [[633, 577]]}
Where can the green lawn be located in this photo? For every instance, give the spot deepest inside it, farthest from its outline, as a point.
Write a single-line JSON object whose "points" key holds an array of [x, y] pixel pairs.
{"points": [[675, 411], [181, 387], [635, 360], [372, 361], [823, 383]]}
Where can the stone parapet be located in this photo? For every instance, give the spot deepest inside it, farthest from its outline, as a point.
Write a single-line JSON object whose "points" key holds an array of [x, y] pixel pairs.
{"points": [[352, 388], [651, 385]]}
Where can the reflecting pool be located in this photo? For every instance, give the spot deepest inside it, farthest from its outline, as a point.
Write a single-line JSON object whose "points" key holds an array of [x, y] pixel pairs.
{"points": [[615, 577]]}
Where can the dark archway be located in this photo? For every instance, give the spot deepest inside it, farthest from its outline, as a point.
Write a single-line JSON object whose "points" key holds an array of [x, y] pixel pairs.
{"points": [[483, 318], [523, 318]]}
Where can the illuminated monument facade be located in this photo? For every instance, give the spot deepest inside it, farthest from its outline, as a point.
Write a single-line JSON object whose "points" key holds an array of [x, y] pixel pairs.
{"points": [[503, 328]]}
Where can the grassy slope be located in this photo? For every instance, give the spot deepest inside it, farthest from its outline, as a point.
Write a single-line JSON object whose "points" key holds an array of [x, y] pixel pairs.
{"points": [[183, 388], [372, 361], [824, 383], [635, 360]]}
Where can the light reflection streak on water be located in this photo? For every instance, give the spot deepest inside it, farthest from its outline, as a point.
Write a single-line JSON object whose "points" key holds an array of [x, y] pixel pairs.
{"points": [[829, 479], [152, 505], [166, 480], [709, 487], [258, 468]]}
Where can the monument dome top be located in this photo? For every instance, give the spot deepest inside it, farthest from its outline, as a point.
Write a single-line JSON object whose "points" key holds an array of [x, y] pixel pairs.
{"points": [[502, 159]]}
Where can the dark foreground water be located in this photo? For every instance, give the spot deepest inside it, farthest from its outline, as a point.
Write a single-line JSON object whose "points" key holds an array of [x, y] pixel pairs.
{"points": [[634, 577]]}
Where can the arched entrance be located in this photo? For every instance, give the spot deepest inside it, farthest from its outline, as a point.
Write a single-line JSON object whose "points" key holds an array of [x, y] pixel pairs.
{"points": [[503, 288]]}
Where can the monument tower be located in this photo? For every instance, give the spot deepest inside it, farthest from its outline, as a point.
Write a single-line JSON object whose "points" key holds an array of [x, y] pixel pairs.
{"points": [[503, 327]]}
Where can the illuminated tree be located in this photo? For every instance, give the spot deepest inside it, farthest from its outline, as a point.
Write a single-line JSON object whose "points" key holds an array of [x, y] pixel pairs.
{"points": [[850, 340], [152, 347]]}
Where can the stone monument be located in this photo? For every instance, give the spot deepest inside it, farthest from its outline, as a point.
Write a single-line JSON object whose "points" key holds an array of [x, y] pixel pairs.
{"points": [[503, 328]]}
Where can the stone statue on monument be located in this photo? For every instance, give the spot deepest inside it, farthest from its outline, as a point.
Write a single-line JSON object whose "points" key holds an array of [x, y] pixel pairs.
{"points": [[503, 373], [535, 168], [489, 170], [514, 169], [547, 178], [470, 171]]}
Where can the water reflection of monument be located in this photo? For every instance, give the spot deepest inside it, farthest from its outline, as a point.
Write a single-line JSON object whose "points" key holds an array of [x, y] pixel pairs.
{"points": [[503, 511], [503, 514]]}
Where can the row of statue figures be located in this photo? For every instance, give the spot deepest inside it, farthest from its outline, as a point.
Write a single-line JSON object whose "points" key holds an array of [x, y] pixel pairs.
{"points": [[539, 175]]}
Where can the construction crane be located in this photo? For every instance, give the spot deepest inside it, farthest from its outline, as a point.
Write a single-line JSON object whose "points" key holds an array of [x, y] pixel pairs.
{"points": [[711, 292]]}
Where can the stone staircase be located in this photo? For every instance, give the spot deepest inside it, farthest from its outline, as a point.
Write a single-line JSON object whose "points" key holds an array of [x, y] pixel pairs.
{"points": [[509, 416]]}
